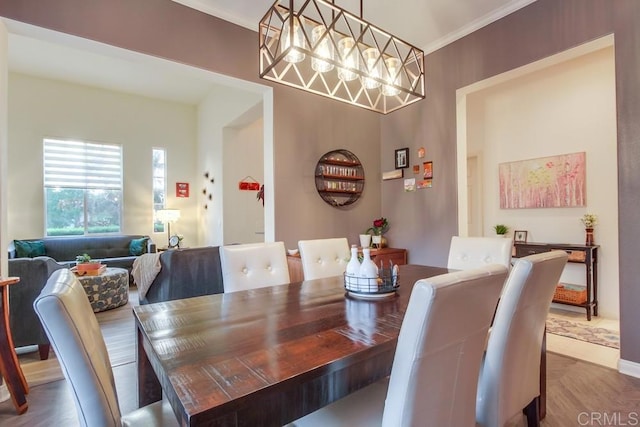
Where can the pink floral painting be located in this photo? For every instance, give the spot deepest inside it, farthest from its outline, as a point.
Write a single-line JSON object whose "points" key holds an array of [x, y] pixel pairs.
{"points": [[547, 182]]}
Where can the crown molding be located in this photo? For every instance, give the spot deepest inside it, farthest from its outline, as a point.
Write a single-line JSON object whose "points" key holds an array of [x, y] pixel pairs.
{"points": [[476, 24]]}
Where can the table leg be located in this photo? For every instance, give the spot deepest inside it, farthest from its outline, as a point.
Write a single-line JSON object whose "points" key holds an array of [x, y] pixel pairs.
{"points": [[149, 388], [9, 366]]}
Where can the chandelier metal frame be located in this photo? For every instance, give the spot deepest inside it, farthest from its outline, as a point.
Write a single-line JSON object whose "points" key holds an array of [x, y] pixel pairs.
{"points": [[319, 47]]}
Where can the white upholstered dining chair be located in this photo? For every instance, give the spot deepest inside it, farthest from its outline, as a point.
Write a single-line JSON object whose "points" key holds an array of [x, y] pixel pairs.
{"points": [[510, 373], [474, 252], [324, 257], [437, 360], [72, 328], [253, 265]]}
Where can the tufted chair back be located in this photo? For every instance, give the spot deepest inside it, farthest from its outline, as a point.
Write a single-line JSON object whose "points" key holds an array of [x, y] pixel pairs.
{"points": [[438, 356], [324, 257], [510, 373], [475, 252], [254, 265], [72, 328]]}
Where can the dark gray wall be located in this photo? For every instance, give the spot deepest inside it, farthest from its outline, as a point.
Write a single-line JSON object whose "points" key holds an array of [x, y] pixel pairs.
{"points": [[539, 30], [305, 126]]}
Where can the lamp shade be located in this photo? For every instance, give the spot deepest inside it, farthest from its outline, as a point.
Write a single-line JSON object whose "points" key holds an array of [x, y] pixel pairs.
{"points": [[167, 215]]}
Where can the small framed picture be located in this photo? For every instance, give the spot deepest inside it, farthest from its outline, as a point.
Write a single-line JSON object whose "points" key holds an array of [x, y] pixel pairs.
{"points": [[410, 184], [182, 189], [402, 158], [520, 236], [395, 174], [428, 170], [425, 183]]}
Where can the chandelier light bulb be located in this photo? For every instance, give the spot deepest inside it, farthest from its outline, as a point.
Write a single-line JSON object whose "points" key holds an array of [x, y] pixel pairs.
{"points": [[349, 57], [297, 40], [323, 47], [371, 55], [392, 76]]}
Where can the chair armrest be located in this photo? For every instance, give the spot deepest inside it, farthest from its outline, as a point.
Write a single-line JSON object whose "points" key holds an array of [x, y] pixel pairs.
{"points": [[12, 250]]}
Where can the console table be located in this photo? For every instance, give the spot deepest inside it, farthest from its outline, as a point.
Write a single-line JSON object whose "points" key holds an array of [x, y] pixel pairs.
{"points": [[581, 254], [384, 255]]}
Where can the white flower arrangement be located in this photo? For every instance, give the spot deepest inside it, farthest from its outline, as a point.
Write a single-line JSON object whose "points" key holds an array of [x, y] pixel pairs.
{"points": [[589, 220]]}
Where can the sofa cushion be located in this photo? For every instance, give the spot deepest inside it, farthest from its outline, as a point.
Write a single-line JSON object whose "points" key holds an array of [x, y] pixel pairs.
{"points": [[138, 246], [29, 248]]}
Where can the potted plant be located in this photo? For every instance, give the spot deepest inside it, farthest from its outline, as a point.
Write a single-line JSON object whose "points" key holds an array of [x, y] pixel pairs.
{"points": [[85, 263], [501, 229], [380, 226]]}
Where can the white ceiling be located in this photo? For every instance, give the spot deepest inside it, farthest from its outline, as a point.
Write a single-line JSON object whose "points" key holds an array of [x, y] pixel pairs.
{"points": [[427, 24], [106, 69]]}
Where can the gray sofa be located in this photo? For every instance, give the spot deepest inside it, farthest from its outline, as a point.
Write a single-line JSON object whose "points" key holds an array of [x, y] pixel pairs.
{"points": [[60, 252], [25, 326], [186, 273], [112, 250]]}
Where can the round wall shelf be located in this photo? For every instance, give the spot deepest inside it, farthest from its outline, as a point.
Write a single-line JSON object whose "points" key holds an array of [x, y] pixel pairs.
{"points": [[339, 178]]}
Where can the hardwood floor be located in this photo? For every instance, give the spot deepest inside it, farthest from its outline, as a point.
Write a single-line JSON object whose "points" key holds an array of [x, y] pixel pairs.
{"points": [[579, 393]]}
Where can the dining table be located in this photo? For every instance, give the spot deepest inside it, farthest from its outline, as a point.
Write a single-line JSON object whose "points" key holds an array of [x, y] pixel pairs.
{"points": [[270, 355]]}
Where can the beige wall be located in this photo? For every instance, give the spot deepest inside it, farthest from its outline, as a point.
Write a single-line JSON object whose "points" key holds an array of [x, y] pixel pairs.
{"points": [[564, 108], [219, 109], [42, 108], [243, 157]]}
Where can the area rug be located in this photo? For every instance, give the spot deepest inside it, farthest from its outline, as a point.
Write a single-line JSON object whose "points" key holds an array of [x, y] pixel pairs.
{"points": [[583, 332]]}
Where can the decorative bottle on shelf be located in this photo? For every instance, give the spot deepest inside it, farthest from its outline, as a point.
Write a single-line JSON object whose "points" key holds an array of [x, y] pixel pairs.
{"points": [[353, 269], [368, 273]]}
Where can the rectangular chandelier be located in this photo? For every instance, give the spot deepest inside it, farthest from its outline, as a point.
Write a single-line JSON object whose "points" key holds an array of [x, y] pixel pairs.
{"points": [[316, 46]]}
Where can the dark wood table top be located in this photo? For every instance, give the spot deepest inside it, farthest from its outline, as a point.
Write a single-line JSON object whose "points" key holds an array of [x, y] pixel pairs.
{"points": [[271, 355]]}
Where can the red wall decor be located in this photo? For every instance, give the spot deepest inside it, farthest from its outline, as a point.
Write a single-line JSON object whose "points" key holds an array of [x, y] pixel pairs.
{"points": [[249, 183], [182, 189]]}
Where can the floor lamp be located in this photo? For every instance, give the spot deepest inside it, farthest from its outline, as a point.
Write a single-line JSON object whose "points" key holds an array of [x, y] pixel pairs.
{"points": [[167, 216]]}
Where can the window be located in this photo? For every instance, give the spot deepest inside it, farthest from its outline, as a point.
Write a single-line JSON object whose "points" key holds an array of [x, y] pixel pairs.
{"points": [[159, 167], [82, 187]]}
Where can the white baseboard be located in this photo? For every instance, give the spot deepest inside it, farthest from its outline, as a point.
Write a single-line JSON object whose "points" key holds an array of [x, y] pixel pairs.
{"points": [[4, 392], [629, 368]]}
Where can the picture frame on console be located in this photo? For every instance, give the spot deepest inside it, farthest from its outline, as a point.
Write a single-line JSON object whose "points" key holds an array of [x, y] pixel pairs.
{"points": [[520, 236]]}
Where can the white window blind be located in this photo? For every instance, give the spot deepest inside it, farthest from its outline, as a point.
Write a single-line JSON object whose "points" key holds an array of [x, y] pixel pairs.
{"points": [[77, 164]]}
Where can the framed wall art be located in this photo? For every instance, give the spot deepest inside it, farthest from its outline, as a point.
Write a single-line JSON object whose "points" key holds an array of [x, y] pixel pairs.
{"points": [[402, 158], [398, 173], [425, 183], [428, 170], [546, 182], [182, 189]]}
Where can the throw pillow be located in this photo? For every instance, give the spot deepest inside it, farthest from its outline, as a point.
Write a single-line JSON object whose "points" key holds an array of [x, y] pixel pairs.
{"points": [[29, 249], [138, 246]]}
